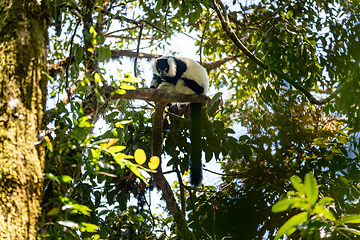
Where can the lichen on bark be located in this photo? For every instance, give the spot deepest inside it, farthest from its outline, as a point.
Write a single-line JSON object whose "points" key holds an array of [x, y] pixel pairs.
{"points": [[22, 101]]}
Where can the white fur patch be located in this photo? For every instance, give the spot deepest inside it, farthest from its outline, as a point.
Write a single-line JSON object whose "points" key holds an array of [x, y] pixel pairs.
{"points": [[181, 88], [172, 67], [153, 65], [166, 87]]}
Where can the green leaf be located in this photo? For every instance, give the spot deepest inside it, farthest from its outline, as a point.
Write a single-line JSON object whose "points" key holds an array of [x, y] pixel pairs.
{"points": [[324, 212], [88, 227], [322, 142], [115, 149], [95, 153], [355, 218], [297, 184], [352, 230], [325, 200], [79, 54], [84, 123], [312, 191], [342, 139], [126, 86], [82, 209], [131, 79], [97, 77], [121, 124], [135, 170], [48, 76], [50, 176], [289, 14], [119, 158], [284, 204], [216, 97], [54, 211], [303, 206], [48, 143], [290, 225], [65, 178]]}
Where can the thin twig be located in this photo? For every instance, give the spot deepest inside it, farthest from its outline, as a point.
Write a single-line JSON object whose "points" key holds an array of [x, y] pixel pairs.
{"points": [[119, 30], [129, 20], [138, 49], [203, 36], [243, 175], [128, 53], [70, 52]]}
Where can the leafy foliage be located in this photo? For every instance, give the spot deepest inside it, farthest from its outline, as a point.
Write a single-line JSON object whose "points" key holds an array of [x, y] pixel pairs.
{"points": [[98, 149], [316, 219]]}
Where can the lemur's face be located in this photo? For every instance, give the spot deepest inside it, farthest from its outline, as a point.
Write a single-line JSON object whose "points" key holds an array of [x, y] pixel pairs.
{"points": [[162, 66]]}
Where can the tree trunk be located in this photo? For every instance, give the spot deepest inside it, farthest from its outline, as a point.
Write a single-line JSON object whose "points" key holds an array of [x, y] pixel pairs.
{"points": [[22, 103]]}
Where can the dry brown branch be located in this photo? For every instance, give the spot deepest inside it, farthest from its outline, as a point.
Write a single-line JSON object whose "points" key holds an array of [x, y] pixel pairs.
{"points": [[127, 37], [59, 67], [128, 53], [115, 54], [217, 64]]}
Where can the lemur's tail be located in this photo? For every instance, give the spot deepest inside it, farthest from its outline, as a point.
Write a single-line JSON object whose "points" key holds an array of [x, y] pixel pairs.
{"points": [[196, 149]]}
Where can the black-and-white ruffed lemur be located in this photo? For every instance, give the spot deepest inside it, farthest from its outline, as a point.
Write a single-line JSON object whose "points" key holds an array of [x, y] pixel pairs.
{"points": [[184, 76]]}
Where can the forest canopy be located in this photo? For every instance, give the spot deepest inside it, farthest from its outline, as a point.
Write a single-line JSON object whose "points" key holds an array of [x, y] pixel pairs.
{"points": [[280, 118]]}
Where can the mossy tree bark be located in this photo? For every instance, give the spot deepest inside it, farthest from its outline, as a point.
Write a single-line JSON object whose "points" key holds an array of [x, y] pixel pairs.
{"points": [[23, 41]]}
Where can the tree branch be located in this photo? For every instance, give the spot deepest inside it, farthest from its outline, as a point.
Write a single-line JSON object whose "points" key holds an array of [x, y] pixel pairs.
{"points": [[128, 53], [159, 178], [224, 19], [59, 67], [150, 94], [214, 65], [203, 36], [115, 54], [68, 66]]}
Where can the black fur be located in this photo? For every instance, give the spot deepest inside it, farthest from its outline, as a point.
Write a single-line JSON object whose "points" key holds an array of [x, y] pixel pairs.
{"points": [[196, 147], [163, 65], [193, 86]]}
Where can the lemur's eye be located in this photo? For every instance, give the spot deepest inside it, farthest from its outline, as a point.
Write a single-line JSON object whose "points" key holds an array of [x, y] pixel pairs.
{"points": [[166, 69]]}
